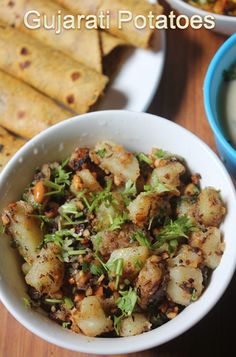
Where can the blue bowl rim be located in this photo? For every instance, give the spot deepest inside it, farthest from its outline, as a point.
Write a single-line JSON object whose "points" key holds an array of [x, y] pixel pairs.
{"points": [[207, 86]]}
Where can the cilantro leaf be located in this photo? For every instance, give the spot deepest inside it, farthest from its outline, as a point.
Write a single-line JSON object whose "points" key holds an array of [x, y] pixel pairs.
{"points": [[70, 209], [96, 269], [97, 241], [144, 158], [172, 230], [129, 192], [68, 303], [157, 187], [93, 201], [59, 181], [118, 221], [62, 176], [126, 303], [194, 295], [101, 153], [54, 301], [61, 238], [130, 188], [2, 228], [27, 302], [161, 154], [143, 240], [66, 324], [117, 324], [116, 267], [44, 219], [104, 265]]}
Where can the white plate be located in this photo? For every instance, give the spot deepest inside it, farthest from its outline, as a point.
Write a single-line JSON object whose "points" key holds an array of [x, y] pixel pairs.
{"points": [[138, 79]]}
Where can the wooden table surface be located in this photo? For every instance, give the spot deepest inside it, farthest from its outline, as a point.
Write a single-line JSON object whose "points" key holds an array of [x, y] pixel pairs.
{"points": [[180, 99]]}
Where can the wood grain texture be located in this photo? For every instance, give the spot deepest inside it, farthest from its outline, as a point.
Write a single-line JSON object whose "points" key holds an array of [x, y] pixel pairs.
{"points": [[179, 98]]}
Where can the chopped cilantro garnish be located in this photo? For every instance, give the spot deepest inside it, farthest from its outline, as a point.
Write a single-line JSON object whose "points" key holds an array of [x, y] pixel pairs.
{"points": [[145, 158], [161, 154], [179, 228], [126, 303], [71, 252], [130, 188], [116, 267], [59, 182], [93, 201], [70, 209], [97, 240], [173, 244], [61, 238], [194, 295], [97, 256], [157, 320], [85, 266], [158, 187], [2, 228], [62, 176], [118, 221], [56, 188], [96, 269], [101, 153], [44, 219], [54, 301], [65, 163], [140, 237], [68, 303], [137, 263], [117, 324], [60, 235], [66, 324], [27, 302], [129, 192]]}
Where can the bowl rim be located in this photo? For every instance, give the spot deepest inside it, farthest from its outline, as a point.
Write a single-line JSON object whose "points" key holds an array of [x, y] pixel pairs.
{"points": [[219, 17], [149, 340], [207, 93]]}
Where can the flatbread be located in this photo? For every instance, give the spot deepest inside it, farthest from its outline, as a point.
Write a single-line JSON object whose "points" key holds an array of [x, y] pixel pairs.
{"points": [[82, 45], [9, 145], [129, 33], [24, 111], [49, 71], [85, 7], [109, 43]]}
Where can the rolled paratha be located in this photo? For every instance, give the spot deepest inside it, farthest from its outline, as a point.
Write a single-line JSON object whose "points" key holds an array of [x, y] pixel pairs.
{"points": [[49, 71], [90, 7], [9, 145], [82, 45], [85, 7], [128, 32], [109, 43], [24, 111]]}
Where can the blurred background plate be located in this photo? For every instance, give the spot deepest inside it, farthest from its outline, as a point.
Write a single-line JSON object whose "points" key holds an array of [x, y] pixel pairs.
{"points": [[137, 80]]}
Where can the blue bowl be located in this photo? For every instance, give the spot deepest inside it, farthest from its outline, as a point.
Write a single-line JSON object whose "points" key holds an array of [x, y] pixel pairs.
{"points": [[223, 59]]}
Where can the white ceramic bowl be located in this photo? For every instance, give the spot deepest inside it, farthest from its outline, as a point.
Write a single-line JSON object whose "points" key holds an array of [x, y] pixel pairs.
{"points": [[224, 24], [137, 132]]}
